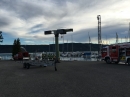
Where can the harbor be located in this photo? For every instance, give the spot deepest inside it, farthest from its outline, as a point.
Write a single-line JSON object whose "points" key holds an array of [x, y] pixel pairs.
{"points": [[77, 56], [65, 48]]}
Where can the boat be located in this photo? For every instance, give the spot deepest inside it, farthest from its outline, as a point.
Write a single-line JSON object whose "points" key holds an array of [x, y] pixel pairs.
{"points": [[94, 55], [64, 54]]}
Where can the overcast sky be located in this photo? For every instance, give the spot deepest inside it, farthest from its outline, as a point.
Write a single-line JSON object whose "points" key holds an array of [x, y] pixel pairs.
{"points": [[28, 19]]}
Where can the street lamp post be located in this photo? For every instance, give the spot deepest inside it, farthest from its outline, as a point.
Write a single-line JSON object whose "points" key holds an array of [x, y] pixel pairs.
{"points": [[56, 33], [63, 43]]}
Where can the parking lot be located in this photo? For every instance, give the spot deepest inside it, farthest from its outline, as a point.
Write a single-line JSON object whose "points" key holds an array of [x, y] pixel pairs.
{"points": [[73, 79]]}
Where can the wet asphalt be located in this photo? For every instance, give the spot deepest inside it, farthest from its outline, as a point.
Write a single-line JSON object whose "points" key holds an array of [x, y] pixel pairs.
{"points": [[73, 79]]}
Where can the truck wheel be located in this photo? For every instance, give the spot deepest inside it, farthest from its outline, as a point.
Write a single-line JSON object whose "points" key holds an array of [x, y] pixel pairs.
{"points": [[108, 61], [28, 66], [117, 62], [24, 65], [128, 61]]}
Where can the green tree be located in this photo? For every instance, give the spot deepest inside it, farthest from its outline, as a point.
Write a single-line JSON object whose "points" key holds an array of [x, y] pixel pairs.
{"points": [[16, 47]]}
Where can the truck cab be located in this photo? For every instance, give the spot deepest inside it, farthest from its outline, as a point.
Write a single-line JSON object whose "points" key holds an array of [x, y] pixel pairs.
{"points": [[116, 53], [104, 52]]}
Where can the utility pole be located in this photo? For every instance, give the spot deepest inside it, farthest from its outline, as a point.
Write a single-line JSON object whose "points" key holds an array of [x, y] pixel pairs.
{"points": [[99, 33]]}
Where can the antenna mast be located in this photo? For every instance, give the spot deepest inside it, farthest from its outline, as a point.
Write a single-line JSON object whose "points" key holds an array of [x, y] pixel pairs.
{"points": [[99, 32]]}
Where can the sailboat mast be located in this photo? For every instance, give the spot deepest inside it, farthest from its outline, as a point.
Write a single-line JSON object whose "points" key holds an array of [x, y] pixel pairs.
{"points": [[89, 41]]}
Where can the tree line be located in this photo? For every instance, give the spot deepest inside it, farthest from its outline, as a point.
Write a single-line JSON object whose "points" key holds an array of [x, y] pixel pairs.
{"points": [[67, 47]]}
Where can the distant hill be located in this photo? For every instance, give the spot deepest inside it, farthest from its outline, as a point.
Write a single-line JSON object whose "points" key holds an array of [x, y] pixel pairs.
{"points": [[46, 48]]}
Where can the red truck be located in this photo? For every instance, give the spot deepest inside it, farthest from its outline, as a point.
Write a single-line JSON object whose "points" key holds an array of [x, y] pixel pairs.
{"points": [[20, 55], [116, 53]]}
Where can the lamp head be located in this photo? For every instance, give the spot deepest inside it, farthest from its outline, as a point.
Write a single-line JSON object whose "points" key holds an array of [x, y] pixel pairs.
{"points": [[47, 32], [63, 31]]}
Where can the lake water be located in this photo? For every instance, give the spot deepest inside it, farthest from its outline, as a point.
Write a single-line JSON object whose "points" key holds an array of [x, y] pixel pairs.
{"points": [[6, 56]]}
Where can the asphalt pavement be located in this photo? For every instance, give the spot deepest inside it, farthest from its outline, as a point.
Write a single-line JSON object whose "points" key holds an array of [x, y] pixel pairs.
{"points": [[73, 79]]}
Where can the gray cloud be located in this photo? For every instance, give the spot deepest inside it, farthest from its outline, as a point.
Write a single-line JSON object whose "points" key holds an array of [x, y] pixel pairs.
{"points": [[54, 14], [37, 26], [35, 31], [108, 32], [27, 10], [4, 21], [24, 10]]}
